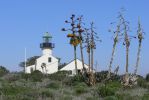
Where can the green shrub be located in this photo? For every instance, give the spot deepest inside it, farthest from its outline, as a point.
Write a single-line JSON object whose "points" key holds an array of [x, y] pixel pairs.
{"points": [[142, 83], [25, 76], [59, 76], [147, 77], [47, 94], [36, 76], [105, 91], [100, 76], [53, 85], [13, 90], [77, 79], [111, 98], [108, 89], [3, 71], [92, 98], [80, 88], [68, 81], [145, 97], [66, 97]]}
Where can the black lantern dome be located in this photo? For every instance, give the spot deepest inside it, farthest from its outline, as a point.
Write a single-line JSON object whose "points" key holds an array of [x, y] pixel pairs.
{"points": [[47, 41]]}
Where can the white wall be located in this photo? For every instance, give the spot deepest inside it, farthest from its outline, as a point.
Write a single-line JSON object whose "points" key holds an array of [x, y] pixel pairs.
{"points": [[51, 67], [47, 51], [28, 68], [71, 66]]}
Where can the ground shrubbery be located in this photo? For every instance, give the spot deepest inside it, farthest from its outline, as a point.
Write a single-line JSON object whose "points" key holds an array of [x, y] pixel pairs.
{"points": [[108, 89], [141, 82], [53, 85], [80, 88], [100, 76], [47, 93], [36, 76], [59, 76], [61, 86]]}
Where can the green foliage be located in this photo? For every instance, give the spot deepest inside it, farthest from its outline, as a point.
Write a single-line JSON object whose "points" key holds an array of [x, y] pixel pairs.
{"points": [[13, 90], [80, 88], [145, 97], [30, 61], [25, 76], [147, 77], [108, 89], [100, 76], [3, 71], [53, 85], [12, 77], [61, 65], [142, 83], [111, 98], [66, 97], [127, 97], [77, 78], [92, 98], [36, 76], [59, 76], [47, 93], [123, 96]]}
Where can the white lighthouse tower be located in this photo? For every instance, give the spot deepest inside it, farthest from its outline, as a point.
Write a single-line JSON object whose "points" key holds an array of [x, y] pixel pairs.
{"points": [[47, 63], [47, 45]]}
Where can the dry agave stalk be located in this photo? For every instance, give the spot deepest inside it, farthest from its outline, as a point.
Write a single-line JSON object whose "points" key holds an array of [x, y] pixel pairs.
{"points": [[91, 37], [126, 43], [140, 38], [74, 38], [115, 41], [80, 31]]}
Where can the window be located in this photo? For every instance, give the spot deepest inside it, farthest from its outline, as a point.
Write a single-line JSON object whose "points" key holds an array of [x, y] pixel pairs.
{"points": [[31, 70], [49, 59]]}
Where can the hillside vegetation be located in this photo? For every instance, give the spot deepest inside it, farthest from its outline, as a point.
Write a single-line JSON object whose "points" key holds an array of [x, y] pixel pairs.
{"points": [[61, 86]]}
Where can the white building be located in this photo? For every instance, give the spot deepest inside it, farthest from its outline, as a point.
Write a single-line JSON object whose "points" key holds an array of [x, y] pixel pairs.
{"points": [[47, 63], [71, 67]]}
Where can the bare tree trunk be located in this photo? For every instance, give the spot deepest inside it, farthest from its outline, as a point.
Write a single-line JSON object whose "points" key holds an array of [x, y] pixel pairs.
{"points": [[75, 58], [82, 57], [138, 58], [127, 74], [89, 60], [127, 52], [92, 58]]}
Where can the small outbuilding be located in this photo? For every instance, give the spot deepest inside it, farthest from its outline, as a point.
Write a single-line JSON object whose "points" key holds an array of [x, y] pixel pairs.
{"points": [[71, 67]]}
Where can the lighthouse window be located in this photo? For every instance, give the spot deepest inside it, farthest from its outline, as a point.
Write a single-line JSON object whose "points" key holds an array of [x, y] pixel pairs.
{"points": [[49, 60]]}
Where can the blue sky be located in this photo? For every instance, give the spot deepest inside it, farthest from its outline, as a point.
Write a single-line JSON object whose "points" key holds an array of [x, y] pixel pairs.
{"points": [[23, 22]]}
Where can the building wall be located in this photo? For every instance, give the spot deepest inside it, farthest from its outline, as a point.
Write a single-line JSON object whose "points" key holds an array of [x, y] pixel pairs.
{"points": [[71, 66], [47, 51], [51, 67], [28, 68]]}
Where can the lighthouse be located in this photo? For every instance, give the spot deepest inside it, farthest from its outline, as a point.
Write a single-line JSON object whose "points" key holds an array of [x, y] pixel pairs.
{"points": [[47, 44], [46, 63]]}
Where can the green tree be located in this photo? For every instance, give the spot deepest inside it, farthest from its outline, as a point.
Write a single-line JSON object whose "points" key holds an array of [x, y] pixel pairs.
{"points": [[3, 71], [30, 61]]}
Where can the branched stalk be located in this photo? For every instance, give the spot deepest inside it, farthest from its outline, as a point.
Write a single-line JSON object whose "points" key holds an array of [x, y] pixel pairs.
{"points": [[140, 37]]}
